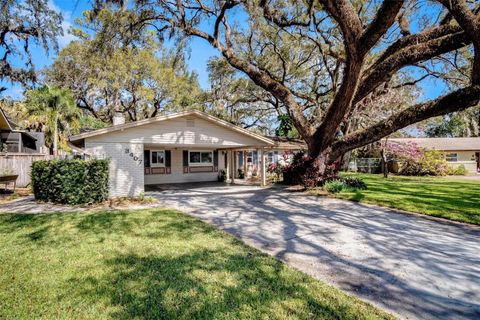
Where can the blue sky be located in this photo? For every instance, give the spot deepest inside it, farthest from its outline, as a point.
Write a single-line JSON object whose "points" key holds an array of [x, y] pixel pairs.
{"points": [[199, 55], [200, 51]]}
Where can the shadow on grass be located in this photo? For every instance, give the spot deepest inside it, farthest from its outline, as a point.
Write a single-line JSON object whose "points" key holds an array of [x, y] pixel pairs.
{"points": [[208, 284], [164, 265]]}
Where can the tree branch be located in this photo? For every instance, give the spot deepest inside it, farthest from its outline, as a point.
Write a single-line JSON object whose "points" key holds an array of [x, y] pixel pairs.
{"points": [[454, 101], [383, 20]]}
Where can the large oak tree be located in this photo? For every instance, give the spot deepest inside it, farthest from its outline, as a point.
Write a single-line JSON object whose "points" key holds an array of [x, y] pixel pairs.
{"points": [[323, 59], [23, 24]]}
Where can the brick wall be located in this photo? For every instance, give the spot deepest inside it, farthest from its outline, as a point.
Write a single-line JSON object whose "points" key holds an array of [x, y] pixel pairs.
{"points": [[126, 166]]}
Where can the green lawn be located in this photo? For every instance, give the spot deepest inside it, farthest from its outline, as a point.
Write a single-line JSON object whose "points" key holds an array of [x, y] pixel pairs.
{"points": [[155, 264], [454, 199]]}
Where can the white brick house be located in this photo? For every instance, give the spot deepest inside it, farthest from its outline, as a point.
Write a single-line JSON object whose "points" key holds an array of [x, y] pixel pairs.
{"points": [[183, 147]]}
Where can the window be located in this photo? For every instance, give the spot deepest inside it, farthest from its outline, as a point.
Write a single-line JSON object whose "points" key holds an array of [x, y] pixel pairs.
{"points": [[451, 157], [200, 158], [249, 157], [157, 158], [270, 157]]}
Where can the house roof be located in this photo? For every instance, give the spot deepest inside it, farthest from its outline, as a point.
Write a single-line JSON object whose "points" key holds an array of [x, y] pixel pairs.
{"points": [[197, 113], [5, 123], [288, 143], [443, 144]]}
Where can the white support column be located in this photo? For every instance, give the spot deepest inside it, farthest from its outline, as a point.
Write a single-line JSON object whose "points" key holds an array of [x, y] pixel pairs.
{"points": [[259, 168], [235, 163], [232, 166], [263, 171], [245, 163], [227, 169]]}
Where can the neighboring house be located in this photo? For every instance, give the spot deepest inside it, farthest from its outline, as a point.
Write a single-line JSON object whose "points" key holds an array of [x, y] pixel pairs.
{"points": [[457, 151], [18, 149], [187, 146], [19, 141]]}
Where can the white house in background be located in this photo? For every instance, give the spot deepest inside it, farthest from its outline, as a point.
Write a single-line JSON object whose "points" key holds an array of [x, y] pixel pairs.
{"points": [[457, 151], [188, 146]]}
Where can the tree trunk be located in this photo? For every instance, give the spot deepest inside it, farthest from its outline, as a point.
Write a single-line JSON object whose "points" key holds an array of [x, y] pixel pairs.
{"points": [[55, 136], [312, 171], [384, 163]]}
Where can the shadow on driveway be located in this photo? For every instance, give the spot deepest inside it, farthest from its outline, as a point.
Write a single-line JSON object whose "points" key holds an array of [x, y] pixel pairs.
{"points": [[412, 266]]}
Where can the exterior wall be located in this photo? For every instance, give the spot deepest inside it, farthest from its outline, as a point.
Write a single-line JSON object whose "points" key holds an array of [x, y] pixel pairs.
{"points": [[126, 166], [471, 166], [181, 132], [177, 175], [465, 158]]}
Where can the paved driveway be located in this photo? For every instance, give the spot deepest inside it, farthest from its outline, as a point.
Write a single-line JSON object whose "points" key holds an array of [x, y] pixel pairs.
{"points": [[409, 265]]}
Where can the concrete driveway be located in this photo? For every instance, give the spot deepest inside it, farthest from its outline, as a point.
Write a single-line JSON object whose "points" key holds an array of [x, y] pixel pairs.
{"points": [[412, 266]]}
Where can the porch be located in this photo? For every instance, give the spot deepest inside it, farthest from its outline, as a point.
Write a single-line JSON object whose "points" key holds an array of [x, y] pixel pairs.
{"points": [[167, 164]]}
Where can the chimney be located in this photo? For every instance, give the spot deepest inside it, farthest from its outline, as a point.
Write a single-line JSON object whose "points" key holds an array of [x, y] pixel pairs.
{"points": [[118, 118]]}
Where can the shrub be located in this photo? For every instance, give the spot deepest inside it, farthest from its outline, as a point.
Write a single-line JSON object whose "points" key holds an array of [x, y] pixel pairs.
{"points": [[241, 174], [222, 176], [354, 183], [458, 171], [432, 163], [333, 186], [70, 181]]}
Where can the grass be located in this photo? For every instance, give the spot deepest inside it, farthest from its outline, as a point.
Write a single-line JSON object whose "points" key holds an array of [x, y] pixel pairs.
{"points": [[151, 264], [453, 199]]}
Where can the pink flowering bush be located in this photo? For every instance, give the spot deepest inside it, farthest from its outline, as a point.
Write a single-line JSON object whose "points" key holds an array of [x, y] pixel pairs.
{"points": [[403, 151]]}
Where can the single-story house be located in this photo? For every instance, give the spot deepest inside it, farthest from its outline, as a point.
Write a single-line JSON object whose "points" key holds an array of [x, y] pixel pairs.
{"points": [[189, 146], [457, 151]]}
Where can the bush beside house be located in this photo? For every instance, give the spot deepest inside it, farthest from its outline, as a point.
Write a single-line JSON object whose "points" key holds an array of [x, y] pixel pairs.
{"points": [[70, 181]]}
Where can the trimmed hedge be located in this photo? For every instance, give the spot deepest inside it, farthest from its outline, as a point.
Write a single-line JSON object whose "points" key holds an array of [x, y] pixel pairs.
{"points": [[70, 181]]}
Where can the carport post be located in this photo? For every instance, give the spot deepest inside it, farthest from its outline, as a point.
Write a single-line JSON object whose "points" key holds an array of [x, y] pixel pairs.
{"points": [[263, 172], [232, 166], [227, 169]]}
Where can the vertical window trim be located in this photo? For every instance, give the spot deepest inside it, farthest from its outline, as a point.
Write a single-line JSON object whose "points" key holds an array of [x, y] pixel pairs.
{"points": [[157, 165]]}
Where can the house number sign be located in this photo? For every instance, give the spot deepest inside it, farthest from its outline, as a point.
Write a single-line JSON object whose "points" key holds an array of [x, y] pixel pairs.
{"points": [[134, 157]]}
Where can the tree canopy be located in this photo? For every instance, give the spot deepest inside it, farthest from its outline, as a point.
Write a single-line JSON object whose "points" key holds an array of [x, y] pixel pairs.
{"points": [[53, 111], [107, 76], [328, 61], [23, 23]]}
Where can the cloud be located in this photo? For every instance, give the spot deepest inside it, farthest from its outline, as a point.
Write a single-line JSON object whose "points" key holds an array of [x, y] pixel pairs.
{"points": [[67, 23]]}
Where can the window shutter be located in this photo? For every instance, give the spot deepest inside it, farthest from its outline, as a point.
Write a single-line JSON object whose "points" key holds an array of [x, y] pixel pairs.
{"points": [[215, 160], [185, 161], [146, 158], [146, 162], [168, 158]]}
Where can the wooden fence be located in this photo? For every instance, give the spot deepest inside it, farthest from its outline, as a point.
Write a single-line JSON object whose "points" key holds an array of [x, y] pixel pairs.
{"points": [[20, 163]]}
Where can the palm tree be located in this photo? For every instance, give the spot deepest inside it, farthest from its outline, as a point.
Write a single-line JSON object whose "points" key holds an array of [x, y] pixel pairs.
{"points": [[54, 111]]}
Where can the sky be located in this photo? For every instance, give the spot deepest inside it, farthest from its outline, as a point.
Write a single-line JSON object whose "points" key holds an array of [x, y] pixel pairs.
{"points": [[200, 51], [199, 55]]}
